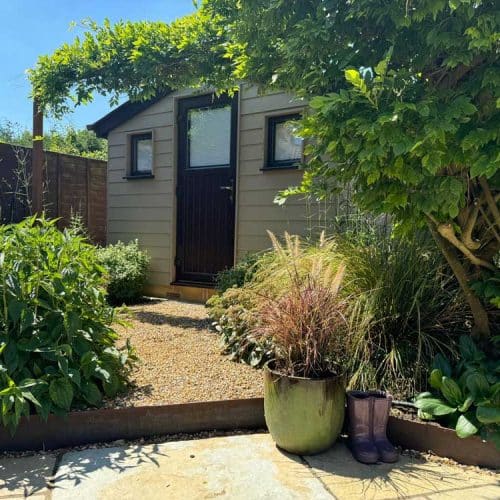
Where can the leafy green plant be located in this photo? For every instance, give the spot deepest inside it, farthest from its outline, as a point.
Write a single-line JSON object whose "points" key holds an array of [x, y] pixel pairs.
{"points": [[466, 396], [237, 275], [234, 317], [57, 344], [127, 267]]}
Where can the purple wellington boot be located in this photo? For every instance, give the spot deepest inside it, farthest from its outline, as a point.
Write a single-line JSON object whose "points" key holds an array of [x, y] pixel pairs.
{"points": [[382, 402], [360, 412]]}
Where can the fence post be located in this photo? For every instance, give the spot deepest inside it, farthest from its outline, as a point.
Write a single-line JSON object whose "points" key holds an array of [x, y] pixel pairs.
{"points": [[37, 160]]}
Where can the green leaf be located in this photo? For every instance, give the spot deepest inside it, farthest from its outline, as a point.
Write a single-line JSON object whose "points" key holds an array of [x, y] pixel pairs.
{"points": [[353, 76], [451, 391], [436, 378], [434, 406], [466, 405], [465, 428], [91, 392], [61, 392], [441, 362], [112, 386], [478, 385], [468, 348], [488, 415]]}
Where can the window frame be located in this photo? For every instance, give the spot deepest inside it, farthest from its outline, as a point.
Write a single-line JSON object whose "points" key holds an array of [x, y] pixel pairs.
{"points": [[133, 173], [271, 162]]}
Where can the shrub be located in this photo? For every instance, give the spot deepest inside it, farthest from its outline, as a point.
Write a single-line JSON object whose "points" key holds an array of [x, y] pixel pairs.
{"points": [[127, 267], [465, 397], [57, 345], [234, 317], [238, 275]]}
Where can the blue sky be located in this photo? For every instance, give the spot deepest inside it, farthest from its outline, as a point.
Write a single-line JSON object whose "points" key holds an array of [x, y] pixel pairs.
{"points": [[31, 28]]}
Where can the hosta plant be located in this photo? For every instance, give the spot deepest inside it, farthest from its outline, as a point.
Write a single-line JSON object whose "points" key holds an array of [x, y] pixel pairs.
{"points": [[57, 344], [466, 396]]}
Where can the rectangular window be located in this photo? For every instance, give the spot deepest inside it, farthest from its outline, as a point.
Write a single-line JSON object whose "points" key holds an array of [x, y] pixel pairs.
{"points": [[141, 154], [209, 137], [284, 146]]}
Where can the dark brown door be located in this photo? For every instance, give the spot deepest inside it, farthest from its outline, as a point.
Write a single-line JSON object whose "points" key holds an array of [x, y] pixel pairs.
{"points": [[205, 187]]}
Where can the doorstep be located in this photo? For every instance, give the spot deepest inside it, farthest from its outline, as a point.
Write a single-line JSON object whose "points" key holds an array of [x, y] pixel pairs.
{"points": [[183, 291]]}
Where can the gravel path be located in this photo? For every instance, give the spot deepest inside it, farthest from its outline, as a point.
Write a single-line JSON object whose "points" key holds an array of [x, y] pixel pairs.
{"points": [[180, 358]]}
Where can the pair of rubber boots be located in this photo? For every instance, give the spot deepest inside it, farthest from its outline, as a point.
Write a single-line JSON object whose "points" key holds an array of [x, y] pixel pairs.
{"points": [[368, 415]]}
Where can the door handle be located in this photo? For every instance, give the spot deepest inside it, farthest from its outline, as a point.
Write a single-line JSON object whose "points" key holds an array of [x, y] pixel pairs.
{"points": [[229, 188]]}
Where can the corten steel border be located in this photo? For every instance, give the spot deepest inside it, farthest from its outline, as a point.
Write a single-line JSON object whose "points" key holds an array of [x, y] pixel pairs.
{"points": [[422, 436], [95, 426]]}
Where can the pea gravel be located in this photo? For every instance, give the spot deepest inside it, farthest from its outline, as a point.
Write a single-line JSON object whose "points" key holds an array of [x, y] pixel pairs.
{"points": [[181, 358]]}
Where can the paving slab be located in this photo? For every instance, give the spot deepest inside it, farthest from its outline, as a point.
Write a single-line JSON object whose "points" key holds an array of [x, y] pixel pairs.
{"points": [[409, 478], [251, 467], [237, 467], [22, 477]]}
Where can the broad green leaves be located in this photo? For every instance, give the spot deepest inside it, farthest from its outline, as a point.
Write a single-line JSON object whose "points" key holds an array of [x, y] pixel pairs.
{"points": [[56, 340], [61, 393], [468, 397]]}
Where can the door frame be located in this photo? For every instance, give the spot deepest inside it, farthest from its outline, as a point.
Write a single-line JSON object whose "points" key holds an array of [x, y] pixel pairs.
{"points": [[182, 103]]}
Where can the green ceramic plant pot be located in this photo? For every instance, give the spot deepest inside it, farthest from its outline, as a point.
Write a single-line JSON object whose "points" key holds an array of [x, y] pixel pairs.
{"points": [[304, 416]]}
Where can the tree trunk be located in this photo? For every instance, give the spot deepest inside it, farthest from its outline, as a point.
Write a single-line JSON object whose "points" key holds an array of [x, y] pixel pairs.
{"points": [[481, 329]]}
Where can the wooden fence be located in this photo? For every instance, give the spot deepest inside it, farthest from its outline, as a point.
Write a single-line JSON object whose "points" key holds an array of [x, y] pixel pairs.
{"points": [[73, 185]]}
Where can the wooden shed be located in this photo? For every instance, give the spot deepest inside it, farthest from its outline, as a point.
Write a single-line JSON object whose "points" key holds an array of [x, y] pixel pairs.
{"points": [[193, 177]]}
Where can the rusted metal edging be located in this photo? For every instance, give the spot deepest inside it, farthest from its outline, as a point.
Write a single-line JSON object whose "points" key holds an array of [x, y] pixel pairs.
{"points": [[106, 425], [95, 426], [425, 437]]}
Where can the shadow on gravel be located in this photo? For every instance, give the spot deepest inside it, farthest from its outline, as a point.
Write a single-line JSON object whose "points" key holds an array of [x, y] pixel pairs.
{"points": [[187, 322]]}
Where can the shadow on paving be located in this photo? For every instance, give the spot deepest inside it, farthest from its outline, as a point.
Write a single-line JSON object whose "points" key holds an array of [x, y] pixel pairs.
{"points": [[117, 460], [25, 476], [408, 478], [186, 322]]}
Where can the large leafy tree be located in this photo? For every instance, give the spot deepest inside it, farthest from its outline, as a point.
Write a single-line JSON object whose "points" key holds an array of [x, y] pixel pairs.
{"points": [[405, 98]]}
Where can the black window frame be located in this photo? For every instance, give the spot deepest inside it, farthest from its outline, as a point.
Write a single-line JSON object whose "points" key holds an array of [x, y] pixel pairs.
{"points": [[134, 173], [271, 162]]}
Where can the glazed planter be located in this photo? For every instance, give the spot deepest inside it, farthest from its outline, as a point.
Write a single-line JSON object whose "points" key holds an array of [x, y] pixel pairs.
{"points": [[304, 416]]}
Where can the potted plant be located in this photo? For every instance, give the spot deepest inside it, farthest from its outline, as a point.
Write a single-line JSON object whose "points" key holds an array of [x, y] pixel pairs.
{"points": [[304, 384]]}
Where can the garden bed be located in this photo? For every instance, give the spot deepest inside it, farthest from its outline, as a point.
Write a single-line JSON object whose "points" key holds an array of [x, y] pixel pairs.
{"points": [[180, 360]]}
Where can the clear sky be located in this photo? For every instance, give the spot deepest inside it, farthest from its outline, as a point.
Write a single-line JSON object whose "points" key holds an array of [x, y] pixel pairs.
{"points": [[30, 28]]}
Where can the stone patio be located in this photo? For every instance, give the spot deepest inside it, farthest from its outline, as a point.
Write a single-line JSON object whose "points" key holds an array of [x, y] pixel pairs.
{"points": [[239, 467]]}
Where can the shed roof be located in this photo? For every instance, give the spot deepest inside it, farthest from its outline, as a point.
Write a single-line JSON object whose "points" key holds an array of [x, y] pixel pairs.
{"points": [[121, 114]]}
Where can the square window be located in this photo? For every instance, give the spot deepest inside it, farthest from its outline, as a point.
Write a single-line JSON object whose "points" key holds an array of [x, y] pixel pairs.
{"points": [[141, 154], [284, 146]]}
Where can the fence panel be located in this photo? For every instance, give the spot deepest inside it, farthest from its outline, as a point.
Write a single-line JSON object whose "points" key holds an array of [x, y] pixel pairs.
{"points": [[73, 185]]}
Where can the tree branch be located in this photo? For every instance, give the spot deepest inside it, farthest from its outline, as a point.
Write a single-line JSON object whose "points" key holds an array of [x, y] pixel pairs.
{"points": [[447, 232], [468, 227], [481, 320], [490, 200]]}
